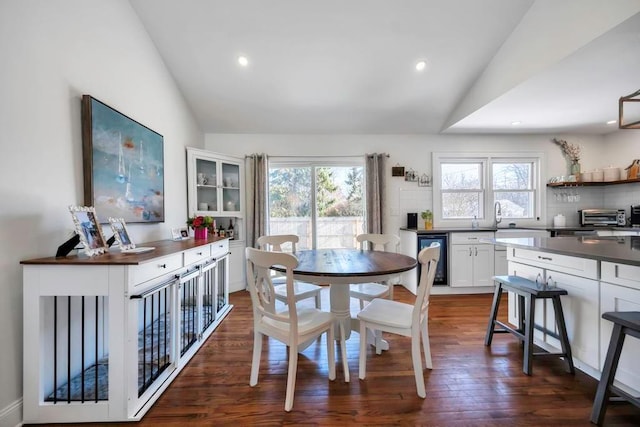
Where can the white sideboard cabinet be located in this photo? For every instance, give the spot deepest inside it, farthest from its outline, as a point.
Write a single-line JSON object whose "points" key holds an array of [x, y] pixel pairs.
{"points": [[105, 336]]}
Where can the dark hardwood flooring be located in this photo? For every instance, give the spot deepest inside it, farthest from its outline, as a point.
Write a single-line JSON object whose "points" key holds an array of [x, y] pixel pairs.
{"points": [[470, 384]]}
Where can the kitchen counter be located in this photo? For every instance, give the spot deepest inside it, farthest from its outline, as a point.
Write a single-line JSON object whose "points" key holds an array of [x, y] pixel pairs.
{"points": [[551, 229], [623, 249]]}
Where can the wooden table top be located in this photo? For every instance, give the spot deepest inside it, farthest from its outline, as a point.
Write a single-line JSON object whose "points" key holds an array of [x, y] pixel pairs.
{"points": [[350, 263]]}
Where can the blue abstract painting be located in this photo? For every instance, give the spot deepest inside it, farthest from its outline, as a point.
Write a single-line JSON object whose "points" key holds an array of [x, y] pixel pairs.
{"points": [[124, 165]]}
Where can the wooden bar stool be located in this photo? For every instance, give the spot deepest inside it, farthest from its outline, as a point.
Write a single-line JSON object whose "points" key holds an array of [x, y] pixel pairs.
{"points": [[624, 323], [528, 292]]}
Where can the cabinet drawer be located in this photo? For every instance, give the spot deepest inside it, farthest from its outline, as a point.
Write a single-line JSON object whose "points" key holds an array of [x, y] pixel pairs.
{"points": [[155, 268], [220, 248], [197, 254], [566, 264], [621, 274], [470, 238]]}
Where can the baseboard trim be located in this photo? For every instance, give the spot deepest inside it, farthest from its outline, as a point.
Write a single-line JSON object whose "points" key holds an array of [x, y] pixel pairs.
{"points": [[11, 416]]}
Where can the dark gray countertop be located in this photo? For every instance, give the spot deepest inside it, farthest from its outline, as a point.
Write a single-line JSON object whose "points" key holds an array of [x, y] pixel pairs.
{"points": [[441, 230], [625, 250]]}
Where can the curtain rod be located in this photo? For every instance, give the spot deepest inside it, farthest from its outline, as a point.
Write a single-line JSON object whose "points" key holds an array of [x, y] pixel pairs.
{"points": [[336, 157]]}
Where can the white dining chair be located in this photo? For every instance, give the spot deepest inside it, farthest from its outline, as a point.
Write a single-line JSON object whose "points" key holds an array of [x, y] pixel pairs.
{"points": [[409, 320], [369, 291], [302, 290], [293, 327]]}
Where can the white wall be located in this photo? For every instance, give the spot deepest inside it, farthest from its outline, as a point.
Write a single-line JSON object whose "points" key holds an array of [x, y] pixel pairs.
{"points": [[52, 53], [620, 148], [412, 151]]}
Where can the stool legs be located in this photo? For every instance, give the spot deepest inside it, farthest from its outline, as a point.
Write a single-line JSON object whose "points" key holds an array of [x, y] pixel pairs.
{"points": [[494, 313], [529, 311], [608, 374], [564, 338]]}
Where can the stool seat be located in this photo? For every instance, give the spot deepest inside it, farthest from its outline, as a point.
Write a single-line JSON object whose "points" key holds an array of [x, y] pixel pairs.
{"points": [[528, 292], [624, 323]]}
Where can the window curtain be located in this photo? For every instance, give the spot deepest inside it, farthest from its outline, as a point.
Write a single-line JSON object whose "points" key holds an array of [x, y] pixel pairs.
{"points": [[256, 196], [375, 182]]}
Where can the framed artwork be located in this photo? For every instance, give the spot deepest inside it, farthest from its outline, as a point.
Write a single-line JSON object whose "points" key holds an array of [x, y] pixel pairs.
{"points": [[88, 228], [121, 233], [123, 165]]}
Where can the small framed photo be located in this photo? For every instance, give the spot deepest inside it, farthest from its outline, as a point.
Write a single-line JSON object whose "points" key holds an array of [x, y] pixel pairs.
{"points": [[397, 170], [121, 233], [88, 228], [180, 233]]}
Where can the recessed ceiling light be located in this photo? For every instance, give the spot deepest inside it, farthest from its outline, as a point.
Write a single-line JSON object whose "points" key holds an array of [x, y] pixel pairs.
{"points": [[243, 61], [612, 122], [421, 65], [515, 123]]}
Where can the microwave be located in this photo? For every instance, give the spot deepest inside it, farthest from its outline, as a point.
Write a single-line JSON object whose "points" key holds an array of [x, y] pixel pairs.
{"points": [[602, 217]]}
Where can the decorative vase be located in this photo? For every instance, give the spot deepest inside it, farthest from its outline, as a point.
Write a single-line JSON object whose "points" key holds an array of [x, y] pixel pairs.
{"points": [[200, 233], [575, 169]]}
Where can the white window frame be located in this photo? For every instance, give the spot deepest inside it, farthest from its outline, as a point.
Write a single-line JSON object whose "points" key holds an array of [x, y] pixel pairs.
{"points": [[539, 210]]}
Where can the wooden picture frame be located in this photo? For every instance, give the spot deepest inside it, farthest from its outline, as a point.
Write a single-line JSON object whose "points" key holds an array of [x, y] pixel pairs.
{"points": [[121, 233], [89, 230], [397, 170], [123, 165], [181, 233]]}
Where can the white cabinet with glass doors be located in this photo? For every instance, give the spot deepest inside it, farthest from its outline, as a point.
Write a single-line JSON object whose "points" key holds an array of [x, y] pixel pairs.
{"points": [[215, 184]]}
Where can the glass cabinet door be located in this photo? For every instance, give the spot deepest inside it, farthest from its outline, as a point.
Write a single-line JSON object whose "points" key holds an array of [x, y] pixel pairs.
{"points": [[207, 185], [230, 187]]}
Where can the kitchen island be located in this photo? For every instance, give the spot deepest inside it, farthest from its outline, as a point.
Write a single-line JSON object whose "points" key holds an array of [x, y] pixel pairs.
{"points": [[600, 274]]}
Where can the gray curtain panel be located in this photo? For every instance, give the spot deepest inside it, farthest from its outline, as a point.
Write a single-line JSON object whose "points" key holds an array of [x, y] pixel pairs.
{"points": [[375, 169], [257, 168]]}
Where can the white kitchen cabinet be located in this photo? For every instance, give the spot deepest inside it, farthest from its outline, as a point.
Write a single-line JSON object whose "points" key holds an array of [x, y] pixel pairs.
{"points": [[105, 336], [472, 262], [620, 291], [580, 306], [215, 184], [237, 274]]}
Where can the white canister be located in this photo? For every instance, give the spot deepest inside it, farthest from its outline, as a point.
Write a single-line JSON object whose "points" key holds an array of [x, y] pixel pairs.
{"points": [[586, 176], [203, 206], [598, 175], [559, 221], [611, 174]]}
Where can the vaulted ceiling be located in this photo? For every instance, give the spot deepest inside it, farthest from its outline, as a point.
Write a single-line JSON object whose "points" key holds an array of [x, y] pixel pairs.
{"points": [[348, 66]]}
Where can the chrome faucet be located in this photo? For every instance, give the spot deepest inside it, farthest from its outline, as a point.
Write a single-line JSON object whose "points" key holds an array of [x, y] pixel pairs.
{"points": [[497, 214]]}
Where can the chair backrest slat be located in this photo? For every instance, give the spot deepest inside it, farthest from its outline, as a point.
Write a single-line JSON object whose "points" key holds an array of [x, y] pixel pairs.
{"points": [[260, 286], [428, 258], [378, 242], [277, 241]]}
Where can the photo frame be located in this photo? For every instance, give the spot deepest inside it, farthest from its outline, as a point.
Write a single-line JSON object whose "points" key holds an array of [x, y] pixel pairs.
{"points": [[181, 233], [89, 230], [123, 165], [424, 181], [121, 233], [397, 170]]}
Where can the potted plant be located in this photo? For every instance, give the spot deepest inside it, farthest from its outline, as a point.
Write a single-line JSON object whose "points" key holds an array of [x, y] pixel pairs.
{"points": [[200, 225], [427, 216]]}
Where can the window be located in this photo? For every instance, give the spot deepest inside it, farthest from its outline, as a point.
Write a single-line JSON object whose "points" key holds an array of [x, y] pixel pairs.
{"points": [[468, 186], [322, 202]]}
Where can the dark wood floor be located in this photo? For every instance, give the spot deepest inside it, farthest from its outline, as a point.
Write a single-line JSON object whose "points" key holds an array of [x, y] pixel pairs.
{"points": [[470, 384]]}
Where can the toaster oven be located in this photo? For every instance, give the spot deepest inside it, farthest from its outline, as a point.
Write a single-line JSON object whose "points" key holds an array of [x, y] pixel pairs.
{"points": [[602, 217]]}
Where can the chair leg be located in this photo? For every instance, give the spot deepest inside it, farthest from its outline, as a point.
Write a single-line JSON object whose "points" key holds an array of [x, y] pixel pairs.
{"points": [[378, 341], [417, 361], [361, 304], [608, 374], [255, 363], [343, 351], [331, 353], [390, 285], [362, 368], [291, 378], [425, 342], [493, 315]]}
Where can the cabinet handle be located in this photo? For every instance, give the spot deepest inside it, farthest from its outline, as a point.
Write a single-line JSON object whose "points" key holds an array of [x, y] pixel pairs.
{"points": [[476, 250], [472, 238], [162, 265], [199, 253], [615, 271], [545, 258], [470, 249]]}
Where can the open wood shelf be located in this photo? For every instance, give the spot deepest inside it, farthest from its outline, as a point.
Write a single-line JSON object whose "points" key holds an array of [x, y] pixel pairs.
{"points": [[591, 184]]}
